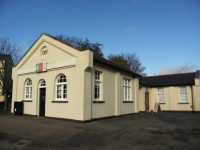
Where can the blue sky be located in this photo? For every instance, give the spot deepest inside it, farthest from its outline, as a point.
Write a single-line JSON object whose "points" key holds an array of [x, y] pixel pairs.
{"points": [[165, 34]]}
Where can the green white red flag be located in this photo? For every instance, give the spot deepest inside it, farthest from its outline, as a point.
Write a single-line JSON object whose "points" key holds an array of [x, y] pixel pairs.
{"points": [[41, 67]]}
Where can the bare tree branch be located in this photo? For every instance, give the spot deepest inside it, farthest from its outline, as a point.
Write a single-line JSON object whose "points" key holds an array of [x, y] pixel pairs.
{"points": [[9, 55], [82, 44], [130, 61]]}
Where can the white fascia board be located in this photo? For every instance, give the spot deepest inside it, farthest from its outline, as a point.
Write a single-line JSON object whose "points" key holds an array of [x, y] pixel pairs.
{"points": [[59, 64]]}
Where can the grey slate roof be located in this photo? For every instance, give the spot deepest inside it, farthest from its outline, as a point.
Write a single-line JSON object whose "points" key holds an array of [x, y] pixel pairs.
{"points": [[197, 74], [169, 80], [114, 66]]}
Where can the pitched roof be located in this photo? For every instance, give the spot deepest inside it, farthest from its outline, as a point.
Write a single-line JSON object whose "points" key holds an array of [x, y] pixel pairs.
{"points": [[96, 59], [113, 65], [169, 80], [100, 59], [197, 74]]}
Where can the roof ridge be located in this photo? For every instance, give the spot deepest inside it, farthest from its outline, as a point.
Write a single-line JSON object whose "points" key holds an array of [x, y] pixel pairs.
{"points": [[170, 74], [114, 65], [100, 59], [108, 62]]}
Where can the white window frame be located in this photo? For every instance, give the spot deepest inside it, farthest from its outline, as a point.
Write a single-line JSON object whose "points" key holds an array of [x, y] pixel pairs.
{"points": [[160, 95], [42, 84], [28, 89], [127, 96], [98, 85], [183, 98], [63, 92]]}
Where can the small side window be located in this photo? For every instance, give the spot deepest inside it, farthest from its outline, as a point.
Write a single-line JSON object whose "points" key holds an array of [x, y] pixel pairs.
{"points": [[97, 86], [183, 95], [160, 96], [127, 89], [28, 89]]}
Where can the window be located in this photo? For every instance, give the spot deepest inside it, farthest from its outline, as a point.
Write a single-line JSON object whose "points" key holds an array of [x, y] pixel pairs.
{"points": [[127, 89], [61, 88], [160, 97], [183, 95], [97, 85], [28, 89], [42, 84]]}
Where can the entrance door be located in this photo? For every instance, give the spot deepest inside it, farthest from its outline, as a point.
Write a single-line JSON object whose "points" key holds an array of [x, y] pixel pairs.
{"points": [[42, 102], [146, 101]]}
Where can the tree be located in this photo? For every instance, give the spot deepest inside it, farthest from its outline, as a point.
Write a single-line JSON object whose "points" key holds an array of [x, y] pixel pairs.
{"points": [[9, 55], [130, 61], [81, 44], [118, 59]]}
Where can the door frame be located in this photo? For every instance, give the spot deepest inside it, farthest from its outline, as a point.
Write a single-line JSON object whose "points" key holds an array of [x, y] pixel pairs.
{"points": [[145, 100], [38, 101]]}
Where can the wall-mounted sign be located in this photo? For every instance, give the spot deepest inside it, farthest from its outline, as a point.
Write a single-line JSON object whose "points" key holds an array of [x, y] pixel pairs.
{"points": [[44, 52], [41, 67]]}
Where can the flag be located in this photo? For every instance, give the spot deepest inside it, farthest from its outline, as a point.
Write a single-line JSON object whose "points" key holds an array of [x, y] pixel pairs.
{"points": [[44, 66], [41, 67], [37, 67]]}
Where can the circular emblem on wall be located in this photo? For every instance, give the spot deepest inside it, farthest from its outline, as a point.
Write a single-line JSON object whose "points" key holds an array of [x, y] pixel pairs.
{"points": [[43, 53]]}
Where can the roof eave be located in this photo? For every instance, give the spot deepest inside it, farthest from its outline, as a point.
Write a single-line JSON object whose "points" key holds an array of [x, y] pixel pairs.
{"points": [[116, 67]]}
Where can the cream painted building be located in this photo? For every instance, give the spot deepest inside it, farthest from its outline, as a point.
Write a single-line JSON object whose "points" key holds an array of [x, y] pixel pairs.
{"points": [[175, 92], [56, 80]]}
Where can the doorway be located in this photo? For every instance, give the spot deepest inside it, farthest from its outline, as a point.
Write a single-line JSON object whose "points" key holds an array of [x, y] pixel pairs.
{"points": [[42, 100], [146, 101]]}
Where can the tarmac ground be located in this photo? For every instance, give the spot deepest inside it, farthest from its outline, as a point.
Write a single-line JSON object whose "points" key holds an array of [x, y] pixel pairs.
{"points": [[143, 131]]}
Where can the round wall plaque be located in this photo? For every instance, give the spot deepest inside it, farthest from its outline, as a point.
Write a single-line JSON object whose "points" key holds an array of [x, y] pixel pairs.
{"points": [[43, 53]]}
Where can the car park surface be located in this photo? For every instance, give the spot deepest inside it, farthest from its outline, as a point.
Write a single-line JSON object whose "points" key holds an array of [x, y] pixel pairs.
{"points": [[143, 131]]}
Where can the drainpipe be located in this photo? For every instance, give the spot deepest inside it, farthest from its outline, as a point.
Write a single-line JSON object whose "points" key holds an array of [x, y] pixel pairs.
{"points": [[169, 97], [92, 94], [91, 70], [193, 111]]}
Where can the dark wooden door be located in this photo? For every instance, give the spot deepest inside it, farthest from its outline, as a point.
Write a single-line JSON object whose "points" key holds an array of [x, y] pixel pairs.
{"points": [[42, 101], [146, 101]]}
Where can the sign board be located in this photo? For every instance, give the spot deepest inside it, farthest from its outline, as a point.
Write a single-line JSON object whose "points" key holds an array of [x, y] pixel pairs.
{"points": [[41, 67], [157, 108]]}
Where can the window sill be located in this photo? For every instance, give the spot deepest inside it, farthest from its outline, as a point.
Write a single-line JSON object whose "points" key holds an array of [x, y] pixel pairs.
{"points": [[59, 101], [127, 101], [98, 101], [183, 103], [161, 103], [27, 101]]}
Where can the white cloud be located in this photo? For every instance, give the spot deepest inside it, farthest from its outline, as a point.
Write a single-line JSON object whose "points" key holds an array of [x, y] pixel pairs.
{"points": [[131, 29], [178, 69]]}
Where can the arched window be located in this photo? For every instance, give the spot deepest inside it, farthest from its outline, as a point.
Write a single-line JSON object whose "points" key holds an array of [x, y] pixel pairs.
{"points": [[28, 89], [61, 88], [42, 84]]}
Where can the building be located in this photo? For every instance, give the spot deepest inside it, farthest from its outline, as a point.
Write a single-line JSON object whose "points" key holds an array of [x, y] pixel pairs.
{"points": [[56, 80], [174, 92], [6, 65]]}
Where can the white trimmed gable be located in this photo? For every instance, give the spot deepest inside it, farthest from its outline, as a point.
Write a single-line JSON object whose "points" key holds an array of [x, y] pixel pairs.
{"points": [[47, 49]]}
